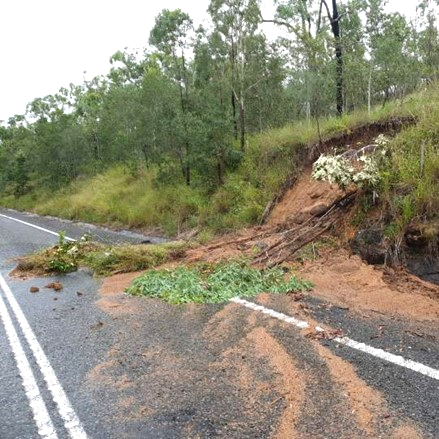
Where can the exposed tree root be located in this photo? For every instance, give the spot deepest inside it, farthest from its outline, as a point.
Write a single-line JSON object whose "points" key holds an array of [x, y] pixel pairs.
{"points": [[290, 241]]}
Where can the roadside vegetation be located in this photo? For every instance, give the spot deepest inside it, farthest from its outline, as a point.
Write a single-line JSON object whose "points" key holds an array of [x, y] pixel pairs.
{"points": [[215, 283], [103, 260], [133, 197], [200, 129], [409, 186]]}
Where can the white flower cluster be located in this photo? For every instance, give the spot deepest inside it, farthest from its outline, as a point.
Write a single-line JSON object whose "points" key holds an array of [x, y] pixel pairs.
{"points": [[382, 140], [335, 169], [369, 175], [363, 171]]}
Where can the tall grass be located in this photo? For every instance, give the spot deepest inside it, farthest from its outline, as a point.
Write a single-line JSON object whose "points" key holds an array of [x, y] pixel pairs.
{"points": [[123, 197], [118, 197], [411, 184]]}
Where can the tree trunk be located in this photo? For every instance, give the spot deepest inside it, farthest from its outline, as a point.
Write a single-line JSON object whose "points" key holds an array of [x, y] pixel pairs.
{"points": [[184, 98], [335, 25], [339, 80], [187, 168], [145, 154], [369, 91], [220, 172], [235, 122], [233, 65], [188, 175], [95, 140], [242, 123], [241, 93], [386, 96]]}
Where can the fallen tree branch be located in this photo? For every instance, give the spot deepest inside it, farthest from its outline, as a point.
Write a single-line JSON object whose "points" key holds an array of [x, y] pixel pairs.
{"points": [[294, 239]]}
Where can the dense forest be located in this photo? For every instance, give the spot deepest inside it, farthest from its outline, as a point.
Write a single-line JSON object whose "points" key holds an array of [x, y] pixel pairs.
{"points": [[184, 110]]}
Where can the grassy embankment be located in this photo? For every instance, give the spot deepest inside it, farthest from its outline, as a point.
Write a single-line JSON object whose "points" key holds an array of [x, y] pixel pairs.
{"points": [[121, 197], [409, 191]]}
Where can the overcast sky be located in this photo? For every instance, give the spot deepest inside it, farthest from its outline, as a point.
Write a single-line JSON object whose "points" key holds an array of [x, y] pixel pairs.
{"points": [[47, 44]]}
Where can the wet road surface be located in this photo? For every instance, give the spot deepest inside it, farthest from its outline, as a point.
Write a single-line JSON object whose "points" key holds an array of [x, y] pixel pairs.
{"points": [[140, 368]]}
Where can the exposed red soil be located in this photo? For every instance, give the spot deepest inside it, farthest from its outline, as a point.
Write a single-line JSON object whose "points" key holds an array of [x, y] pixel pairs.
{"points": [[254, 349], [304, 199], [338, 276], [290, 380], [112, 300], [347, 281]]}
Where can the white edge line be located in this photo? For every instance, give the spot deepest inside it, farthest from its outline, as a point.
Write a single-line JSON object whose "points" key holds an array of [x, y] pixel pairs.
{"points": [[71, 420], [36, 227], [346, 341], [391, 358], [40, 414]]}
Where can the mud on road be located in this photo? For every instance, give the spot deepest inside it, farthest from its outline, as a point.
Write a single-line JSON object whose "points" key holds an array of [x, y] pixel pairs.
{"points": [[201, 371]]}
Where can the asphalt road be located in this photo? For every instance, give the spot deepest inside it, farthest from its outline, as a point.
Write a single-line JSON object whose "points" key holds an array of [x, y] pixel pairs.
{"points": [[121, 367]]}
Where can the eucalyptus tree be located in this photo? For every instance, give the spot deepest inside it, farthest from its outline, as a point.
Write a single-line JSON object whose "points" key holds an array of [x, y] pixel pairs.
{"points": [[235, 22], [159, 131], [428, 38], [16, 140], [171, 36], [127, 67], [308, 21], [133, 123], [356, 66], [89, 98], [393, 67], [212, 106], [334, 19], [266, 73], [375, 15]]}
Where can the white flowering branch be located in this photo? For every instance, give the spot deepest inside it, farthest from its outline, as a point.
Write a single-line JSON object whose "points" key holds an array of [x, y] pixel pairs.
{"points": [[339, 169]]}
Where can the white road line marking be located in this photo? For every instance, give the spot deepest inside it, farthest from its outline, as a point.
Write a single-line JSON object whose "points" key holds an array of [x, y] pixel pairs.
{"points": [[36, 227], [71, 420], [277, 315], [391, 358], [41, 416], [362, 347]]}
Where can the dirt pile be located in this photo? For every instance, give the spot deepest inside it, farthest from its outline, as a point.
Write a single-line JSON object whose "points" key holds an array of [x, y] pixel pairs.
{"points": [[304, 209], [348, 282], [305, 199], [307, 211]]}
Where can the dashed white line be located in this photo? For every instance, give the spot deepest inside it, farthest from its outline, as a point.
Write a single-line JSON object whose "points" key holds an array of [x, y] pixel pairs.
{"points": [[391, 358], [71, 420], [41, 416], [362, 347], [36, 227], [277, 315]]}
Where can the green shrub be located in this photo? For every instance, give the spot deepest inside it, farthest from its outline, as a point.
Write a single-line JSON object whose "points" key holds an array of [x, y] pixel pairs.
{"points": [[205, 283], [67, 256], [128, 258]]}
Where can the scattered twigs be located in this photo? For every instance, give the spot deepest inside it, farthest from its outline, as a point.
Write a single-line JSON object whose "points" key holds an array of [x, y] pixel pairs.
{"points": [[264, 234], [289, 242]]}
